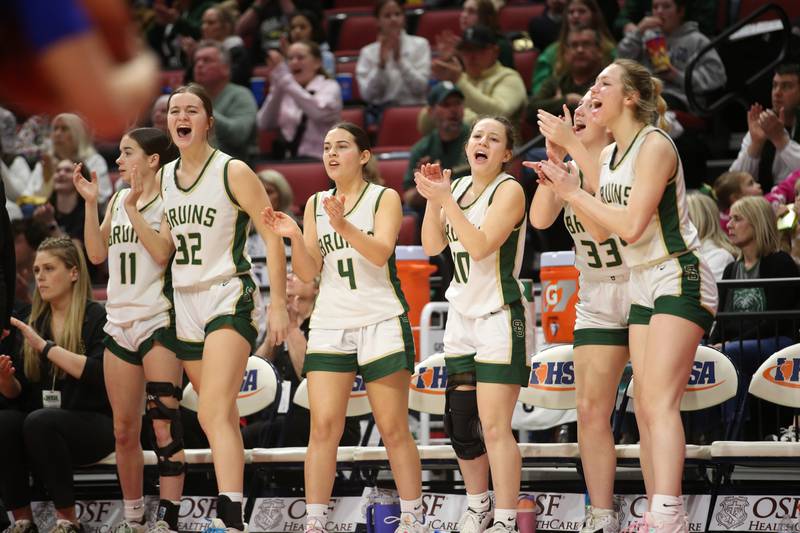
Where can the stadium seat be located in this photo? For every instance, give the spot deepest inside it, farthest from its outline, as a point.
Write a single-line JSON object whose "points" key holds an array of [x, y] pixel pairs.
{"points": [[393, 171], [356, 32], [432, 23], [409, 235], [524, 63], [713, 380], [305, 178], [777, 381], [99, 293], [260, 388], [354, 115], [792, 8], [363, 4], [398, 129], [516, 17]]}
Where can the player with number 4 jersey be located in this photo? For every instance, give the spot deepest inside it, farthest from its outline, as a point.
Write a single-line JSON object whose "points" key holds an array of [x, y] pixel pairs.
{"points": [[359, 323]]}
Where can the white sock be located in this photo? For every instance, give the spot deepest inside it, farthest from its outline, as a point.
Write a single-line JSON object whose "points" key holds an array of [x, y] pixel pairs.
{"points": [[666, 505], [479, 502], [233, 496], [413, 507], [507, 516], [316, 511], [133, 510]]}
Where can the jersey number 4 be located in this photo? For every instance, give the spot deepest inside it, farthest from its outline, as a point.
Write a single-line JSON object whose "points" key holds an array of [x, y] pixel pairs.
{"points": [[346, 271], [187, 252]]}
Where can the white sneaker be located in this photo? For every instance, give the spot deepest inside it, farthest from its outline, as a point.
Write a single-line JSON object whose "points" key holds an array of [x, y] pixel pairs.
{"points": [[473, 521], [500, 527], [215, 525], [410, 524], [130, 527], [314, 526], [600, 521]]}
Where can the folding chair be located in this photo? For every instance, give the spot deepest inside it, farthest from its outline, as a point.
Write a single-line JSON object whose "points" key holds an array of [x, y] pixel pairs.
{"points": [[777, 381], [712, 381]]}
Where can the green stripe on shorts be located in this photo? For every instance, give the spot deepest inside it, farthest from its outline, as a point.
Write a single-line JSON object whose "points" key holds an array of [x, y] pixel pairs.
{"points": [[688, 305], [601, 337], [639, 315], [330, 362], [128, 356], [391, 363], [242, 318], [457, 364]]}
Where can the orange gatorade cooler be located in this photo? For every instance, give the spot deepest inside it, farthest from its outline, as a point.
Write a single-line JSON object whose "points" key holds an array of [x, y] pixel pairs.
{"points": [[559, 295], [414, 272]]}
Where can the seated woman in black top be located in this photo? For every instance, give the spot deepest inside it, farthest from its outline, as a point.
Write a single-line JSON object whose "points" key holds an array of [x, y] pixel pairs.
{"points": [[59, 414], [749, 341]]}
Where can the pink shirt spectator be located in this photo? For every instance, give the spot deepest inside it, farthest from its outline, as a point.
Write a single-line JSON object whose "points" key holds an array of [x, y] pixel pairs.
{"points": [[287, 101], [784, 192]]}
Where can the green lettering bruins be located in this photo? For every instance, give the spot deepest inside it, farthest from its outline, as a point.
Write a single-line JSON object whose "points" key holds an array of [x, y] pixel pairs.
{"points": [[191, 214], [330, 242], [122, 235]]}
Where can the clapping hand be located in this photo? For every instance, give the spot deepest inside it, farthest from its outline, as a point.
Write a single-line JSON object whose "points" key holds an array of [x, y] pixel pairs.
{"points": [[334, 207], [88, 189], [280, 223], [433, 183]]}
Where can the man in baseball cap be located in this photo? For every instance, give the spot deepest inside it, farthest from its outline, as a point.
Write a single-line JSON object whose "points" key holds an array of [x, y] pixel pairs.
{"points": [[445, 144]]}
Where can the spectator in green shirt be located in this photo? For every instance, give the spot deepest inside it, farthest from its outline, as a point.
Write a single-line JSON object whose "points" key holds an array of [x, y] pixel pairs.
{"points": [[444, 145]]}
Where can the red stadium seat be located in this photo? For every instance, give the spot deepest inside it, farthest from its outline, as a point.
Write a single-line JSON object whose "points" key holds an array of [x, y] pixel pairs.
{"points": [[524, 63], [305, 178], [792, 8], [408, 235], [354, 115], [356, 32], [265, 140], [432, 23], [516, 18], [99, 293], [393, 171], [349, 67], [398, 129], [366, 5]]}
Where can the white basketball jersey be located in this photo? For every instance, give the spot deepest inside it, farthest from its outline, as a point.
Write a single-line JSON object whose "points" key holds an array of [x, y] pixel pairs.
{"points": [[136, 282], [482, 287], [352, 291], [596, 261], [669, 232], [208, 227]]}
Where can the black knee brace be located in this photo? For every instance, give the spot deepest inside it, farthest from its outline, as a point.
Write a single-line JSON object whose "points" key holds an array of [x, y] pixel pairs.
{"points": [[461, 421], [157, 410]]}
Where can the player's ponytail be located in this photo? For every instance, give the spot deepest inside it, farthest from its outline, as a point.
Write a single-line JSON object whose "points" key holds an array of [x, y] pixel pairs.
{"points": [[650, 106]]}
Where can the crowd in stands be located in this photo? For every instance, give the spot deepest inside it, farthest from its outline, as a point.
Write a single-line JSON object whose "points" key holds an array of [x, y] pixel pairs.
{"points": [[279, 83]]}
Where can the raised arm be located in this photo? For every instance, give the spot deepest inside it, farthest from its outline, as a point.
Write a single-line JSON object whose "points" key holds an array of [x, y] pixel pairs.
{"points": [[95, 235], [306, 257], [655, 165], [157, 243], [252, 198], [434, 239]]}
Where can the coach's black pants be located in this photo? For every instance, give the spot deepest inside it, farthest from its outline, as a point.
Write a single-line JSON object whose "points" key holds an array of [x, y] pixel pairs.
{"points": [[49, 442]]}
